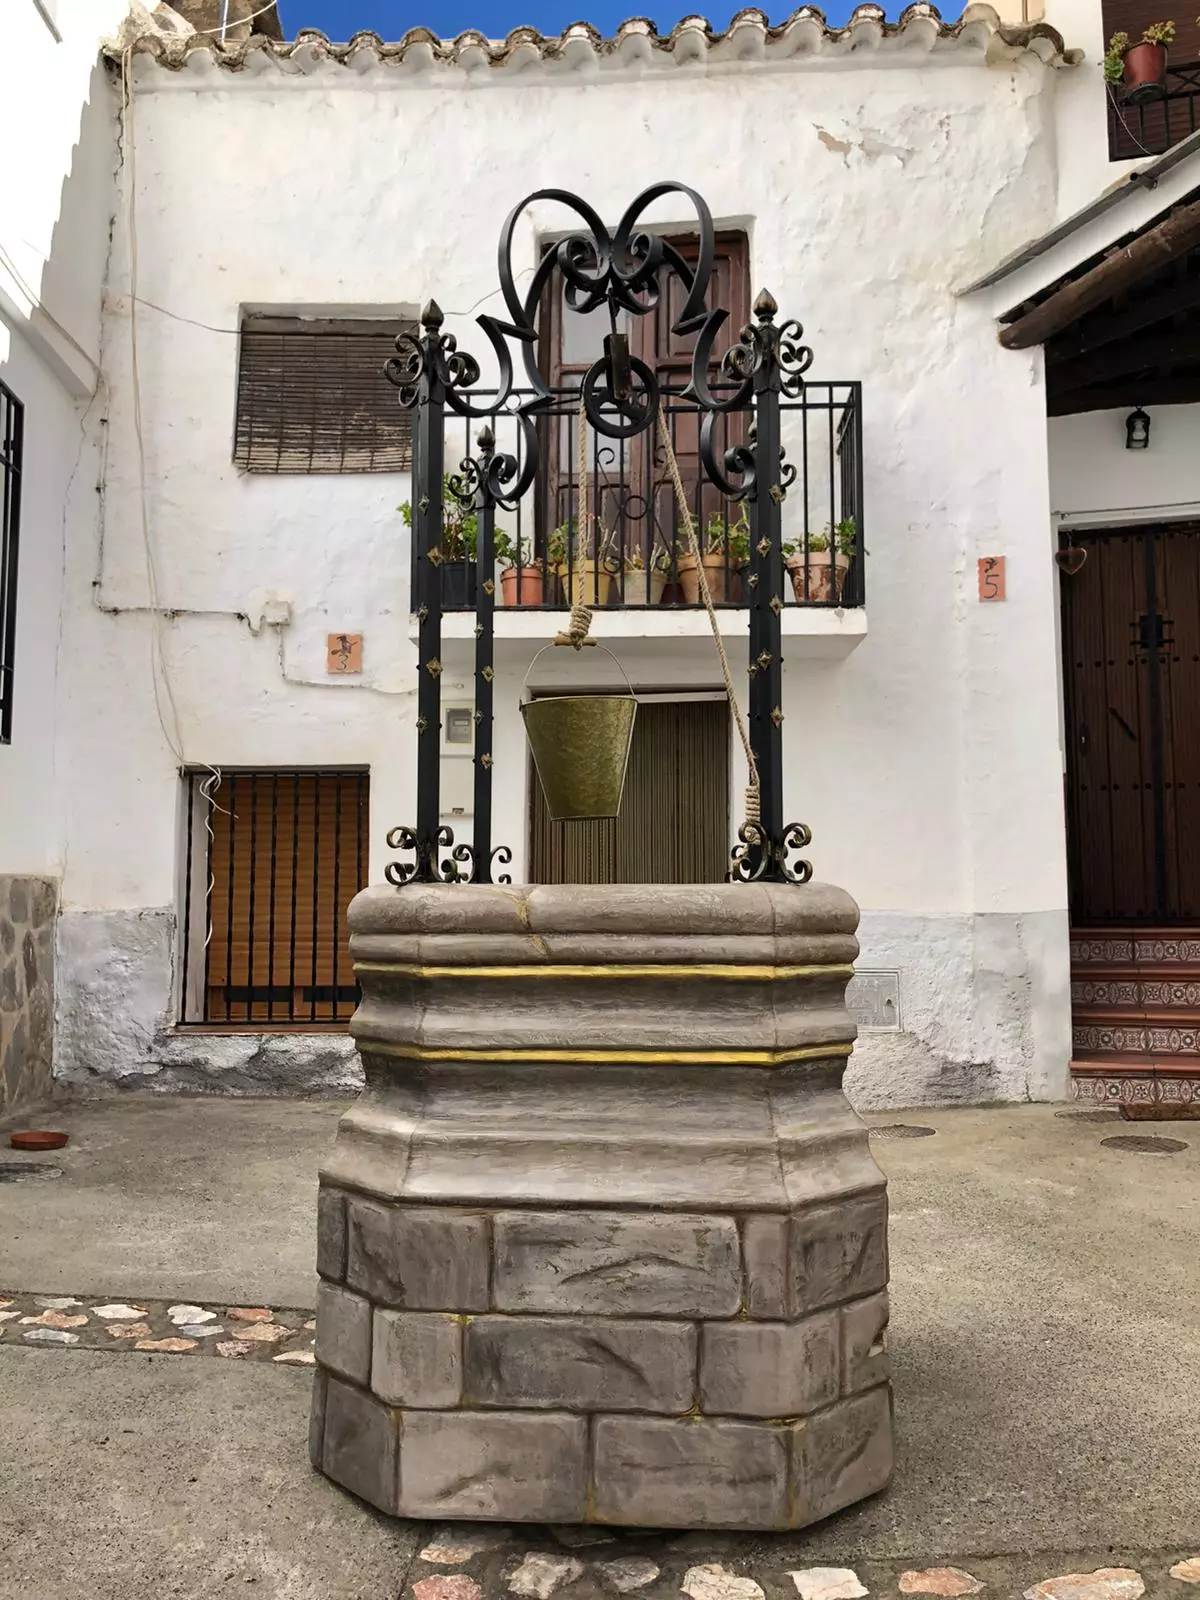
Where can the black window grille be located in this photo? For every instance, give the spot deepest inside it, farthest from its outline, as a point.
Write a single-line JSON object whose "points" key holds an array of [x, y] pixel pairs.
{"points": [[312, 397], [272, 860], [12, 439]]}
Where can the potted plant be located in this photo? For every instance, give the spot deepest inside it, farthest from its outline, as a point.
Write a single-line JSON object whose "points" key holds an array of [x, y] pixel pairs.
{"points": [[645, 585], [521, 582], [724, 551], [1140, 68], [598, 570], [460, 528], [821, 578]]}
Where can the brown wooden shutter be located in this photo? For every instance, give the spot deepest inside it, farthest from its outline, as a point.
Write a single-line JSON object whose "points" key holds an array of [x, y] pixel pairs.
{"points": [[288, 853], [674, 822], [312, 397]]}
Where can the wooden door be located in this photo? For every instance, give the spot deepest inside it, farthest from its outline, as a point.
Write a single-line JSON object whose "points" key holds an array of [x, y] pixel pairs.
{"points": [[629, 487], [674, 822], [1131, 654]]}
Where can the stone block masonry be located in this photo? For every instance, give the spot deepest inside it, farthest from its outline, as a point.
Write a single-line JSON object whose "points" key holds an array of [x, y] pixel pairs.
{"points": [[565, 1281], [28, 909]]}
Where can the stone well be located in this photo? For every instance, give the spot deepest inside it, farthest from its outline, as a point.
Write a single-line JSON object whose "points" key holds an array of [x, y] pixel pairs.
{"points": [[602, 1240]]}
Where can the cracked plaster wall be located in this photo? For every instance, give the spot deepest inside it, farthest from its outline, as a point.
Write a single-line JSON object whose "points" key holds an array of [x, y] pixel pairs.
{"points": [[926, 760]]}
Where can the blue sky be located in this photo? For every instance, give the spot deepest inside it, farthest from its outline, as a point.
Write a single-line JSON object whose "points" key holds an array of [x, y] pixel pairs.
{"points": [[392, 18]]}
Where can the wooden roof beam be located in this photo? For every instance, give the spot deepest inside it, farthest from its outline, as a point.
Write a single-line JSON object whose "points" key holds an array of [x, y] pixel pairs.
{"points": [[1182, 296], [1174, 346], [1174, 391], [1145, 254]]}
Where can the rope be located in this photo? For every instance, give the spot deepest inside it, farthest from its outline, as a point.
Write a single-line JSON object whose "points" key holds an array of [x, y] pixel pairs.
{"points": [[581, 616], [753, 806]]}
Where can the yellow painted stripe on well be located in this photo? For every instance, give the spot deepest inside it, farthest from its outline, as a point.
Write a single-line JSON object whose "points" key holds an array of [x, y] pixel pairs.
{"points": [[649, 1058], [744, 974]]}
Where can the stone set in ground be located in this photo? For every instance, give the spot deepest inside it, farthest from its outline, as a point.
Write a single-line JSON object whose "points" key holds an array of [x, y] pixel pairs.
{"points": [[594, 1561], [162, 1327]]}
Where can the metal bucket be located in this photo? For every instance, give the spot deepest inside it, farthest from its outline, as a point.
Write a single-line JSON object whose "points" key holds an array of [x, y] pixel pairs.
{"points": [[580, 745]]}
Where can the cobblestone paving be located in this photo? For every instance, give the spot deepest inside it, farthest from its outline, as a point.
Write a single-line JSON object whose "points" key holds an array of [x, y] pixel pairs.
{"points": [[163, 1327], [593, 1562]]}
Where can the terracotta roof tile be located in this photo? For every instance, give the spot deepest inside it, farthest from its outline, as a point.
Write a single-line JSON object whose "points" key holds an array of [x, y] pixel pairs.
{"points": [[749, 37]]}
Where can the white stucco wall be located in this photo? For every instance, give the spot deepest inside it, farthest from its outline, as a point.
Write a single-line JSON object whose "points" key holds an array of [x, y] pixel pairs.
{"points": [[56, 200], [926, 759]]}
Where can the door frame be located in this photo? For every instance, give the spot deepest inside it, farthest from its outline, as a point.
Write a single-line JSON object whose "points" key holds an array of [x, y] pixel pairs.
{"points": [[1147, 526]]}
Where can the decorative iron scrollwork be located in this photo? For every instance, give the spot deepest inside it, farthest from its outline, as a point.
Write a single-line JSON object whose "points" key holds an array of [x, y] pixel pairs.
{"points": [[432, 359], [427, 865], [756, 858], [501, 857]]}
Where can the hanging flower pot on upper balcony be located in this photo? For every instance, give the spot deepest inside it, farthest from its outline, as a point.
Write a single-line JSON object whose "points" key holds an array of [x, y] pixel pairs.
{"points": [[1141, 68]]}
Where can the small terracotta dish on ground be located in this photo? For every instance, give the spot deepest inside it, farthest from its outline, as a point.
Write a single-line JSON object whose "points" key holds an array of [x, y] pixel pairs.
{"points": [[38, 1139]]}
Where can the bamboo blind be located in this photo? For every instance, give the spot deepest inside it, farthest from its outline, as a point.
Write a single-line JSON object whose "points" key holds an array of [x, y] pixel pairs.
{"points": [[288, 853], [312, 397], [674, 822]]}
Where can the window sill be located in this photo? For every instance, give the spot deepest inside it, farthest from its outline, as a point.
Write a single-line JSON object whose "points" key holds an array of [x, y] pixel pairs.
{"points": [[811, 630]]}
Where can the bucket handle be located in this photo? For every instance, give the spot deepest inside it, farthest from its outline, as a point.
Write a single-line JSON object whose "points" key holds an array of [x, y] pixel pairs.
{"points": [[598, 645]]}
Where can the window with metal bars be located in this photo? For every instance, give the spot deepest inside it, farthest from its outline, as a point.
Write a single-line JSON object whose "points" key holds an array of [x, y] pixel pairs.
{"points": [[273, 859], [312, 396], [12, 440]]}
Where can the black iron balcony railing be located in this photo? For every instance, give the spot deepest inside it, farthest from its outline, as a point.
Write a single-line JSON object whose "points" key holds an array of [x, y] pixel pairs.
{"points": [[1156, 125], [639, 553]]}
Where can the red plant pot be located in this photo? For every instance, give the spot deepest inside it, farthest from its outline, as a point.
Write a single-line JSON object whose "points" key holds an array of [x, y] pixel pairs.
{"points": [[1145, 75], [38, 1139], [529, 584]]}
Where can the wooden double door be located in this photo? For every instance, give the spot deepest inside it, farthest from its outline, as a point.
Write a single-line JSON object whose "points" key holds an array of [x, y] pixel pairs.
{"points": [[1131, 659]]}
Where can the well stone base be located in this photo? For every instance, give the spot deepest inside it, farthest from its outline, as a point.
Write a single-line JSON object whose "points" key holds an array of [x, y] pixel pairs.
{"points": [[603, 1241]]}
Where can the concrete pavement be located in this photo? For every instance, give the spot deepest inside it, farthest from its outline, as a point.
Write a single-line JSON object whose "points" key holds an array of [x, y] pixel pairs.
{"points": [[1045, 1340]]}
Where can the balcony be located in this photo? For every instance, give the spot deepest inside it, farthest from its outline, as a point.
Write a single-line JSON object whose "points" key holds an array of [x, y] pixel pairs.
{"points": [[639, 557], [1155, 126]]}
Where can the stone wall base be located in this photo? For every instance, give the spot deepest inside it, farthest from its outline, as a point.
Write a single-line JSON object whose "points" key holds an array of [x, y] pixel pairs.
{"points": [[646, 1369], [28, 907]]}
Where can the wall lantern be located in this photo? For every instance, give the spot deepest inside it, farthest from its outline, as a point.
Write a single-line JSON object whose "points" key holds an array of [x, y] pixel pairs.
{"points": [[1137, 430]]}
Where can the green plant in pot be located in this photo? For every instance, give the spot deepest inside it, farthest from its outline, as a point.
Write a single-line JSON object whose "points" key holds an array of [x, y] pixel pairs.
{"points": [[724, 551], [820, 579], [1140, 67], [521, 581], [598, 570], [460, 530]]}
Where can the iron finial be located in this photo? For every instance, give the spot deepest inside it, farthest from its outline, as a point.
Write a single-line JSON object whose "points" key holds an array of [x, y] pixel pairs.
{"points": [[432, 317], [486, 440], [765, 306]]}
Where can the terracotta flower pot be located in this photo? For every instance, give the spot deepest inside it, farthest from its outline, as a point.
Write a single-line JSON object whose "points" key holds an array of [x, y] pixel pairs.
{"points": [[823, 583], [724, 583], [1145, 74], [644, 590], [597, 583], [523, 587]]}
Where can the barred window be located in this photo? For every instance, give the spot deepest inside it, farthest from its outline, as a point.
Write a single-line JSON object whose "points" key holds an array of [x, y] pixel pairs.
{"points": [[12, 437], [272, 860], [312, 396]]}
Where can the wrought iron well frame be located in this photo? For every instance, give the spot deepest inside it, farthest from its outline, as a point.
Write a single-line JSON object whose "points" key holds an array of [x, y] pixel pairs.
{"points": [[615, 270]]}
